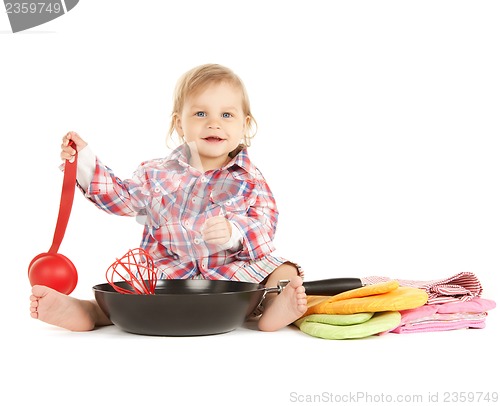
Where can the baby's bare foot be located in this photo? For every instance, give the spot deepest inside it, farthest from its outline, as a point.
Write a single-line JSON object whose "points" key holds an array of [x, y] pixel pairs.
{"points": [[287, 307], [55, 308]]}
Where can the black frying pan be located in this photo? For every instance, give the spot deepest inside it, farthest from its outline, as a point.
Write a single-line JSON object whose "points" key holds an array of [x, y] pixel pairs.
{"points": [[192, 307]]}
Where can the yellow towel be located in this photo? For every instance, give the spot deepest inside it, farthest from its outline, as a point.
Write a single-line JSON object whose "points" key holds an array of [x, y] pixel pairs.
{"points": [[380, 297]]}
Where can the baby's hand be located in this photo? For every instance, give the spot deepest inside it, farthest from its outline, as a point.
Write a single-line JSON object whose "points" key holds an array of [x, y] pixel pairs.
{"points": [[67, 152], [216, 230]]}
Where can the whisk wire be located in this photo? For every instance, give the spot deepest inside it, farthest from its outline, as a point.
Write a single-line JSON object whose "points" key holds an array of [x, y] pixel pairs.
{"points": [[137, 263]]}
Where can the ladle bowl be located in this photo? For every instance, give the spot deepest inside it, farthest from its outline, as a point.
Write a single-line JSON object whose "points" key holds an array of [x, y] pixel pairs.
{"points": [[53, 270]]}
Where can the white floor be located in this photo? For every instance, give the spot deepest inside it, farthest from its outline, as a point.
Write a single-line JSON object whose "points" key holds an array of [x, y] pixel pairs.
{"points": [[247, 367]]}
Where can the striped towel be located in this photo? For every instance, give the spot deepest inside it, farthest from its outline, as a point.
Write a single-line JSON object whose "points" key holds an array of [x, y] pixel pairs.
{"points": [[463, 287]]}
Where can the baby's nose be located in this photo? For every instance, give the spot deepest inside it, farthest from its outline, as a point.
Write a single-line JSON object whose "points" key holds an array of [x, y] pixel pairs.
{"points": [[214, 125]]}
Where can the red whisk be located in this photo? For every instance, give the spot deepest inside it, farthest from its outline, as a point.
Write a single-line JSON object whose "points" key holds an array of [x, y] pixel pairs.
{"points": [[137, 269]]}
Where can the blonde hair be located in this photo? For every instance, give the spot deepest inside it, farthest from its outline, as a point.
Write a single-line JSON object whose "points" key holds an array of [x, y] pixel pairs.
{"points": [[198, 79]]}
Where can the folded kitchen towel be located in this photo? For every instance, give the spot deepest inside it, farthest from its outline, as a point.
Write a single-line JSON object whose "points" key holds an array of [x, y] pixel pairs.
{"points": [[385, 296], [341, 327], [443, 322], [475, 305], [463, 286], [448, 316]]}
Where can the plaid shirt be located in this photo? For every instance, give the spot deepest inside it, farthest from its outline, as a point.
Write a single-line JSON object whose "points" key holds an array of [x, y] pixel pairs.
{"points": [[173, 200]]}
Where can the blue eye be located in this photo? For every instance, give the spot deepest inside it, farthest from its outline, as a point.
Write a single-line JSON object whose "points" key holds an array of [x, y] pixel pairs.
{"points": [[226, 115], [200, 114]]}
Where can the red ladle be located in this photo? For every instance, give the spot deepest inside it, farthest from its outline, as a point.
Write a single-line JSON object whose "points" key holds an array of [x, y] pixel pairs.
{"points": [[51, 268]]}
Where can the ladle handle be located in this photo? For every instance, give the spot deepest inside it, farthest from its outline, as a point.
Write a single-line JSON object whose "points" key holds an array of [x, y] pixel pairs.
{"points": [[330, 287], [67, 196]]}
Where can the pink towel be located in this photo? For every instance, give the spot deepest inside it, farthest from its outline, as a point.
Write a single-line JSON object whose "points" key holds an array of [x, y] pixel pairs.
{"points": [[475, 305], [463, 286], [449, 316], [453, 322]]}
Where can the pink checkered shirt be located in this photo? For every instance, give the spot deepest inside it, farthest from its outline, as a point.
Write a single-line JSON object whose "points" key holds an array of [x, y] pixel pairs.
{"points": [[173, 200]]}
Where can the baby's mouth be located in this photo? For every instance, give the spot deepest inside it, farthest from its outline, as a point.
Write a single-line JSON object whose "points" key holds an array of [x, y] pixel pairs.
{"points": [[213, 139]]}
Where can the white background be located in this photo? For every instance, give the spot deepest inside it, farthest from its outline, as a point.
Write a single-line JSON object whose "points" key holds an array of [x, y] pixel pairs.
{"points": [[378, 133]]}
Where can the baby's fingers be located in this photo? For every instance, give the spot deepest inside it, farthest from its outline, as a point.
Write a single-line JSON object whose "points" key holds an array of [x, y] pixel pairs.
{"points": [[67, 152], [73, 136], [216, 236], [216, 230], [215, 221]]}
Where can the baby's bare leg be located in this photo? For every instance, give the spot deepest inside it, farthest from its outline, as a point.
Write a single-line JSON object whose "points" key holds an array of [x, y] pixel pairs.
{"points": [[64, 311], [289, 305]]}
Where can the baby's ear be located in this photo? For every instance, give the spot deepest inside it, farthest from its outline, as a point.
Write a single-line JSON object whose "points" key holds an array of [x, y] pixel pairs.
{"points": [[178, 125]]}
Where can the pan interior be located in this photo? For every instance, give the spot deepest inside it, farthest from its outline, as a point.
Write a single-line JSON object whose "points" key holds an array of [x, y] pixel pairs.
{"points": [[190, 287]]}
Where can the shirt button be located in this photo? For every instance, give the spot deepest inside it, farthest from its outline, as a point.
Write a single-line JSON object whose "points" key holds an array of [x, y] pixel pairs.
{"points": [[186, 223], [197, 241], [227, 202], [157, 190], [204, 179]]}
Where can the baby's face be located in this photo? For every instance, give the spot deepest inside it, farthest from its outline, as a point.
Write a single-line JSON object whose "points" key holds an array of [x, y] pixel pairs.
{"points": [[214, 123]]}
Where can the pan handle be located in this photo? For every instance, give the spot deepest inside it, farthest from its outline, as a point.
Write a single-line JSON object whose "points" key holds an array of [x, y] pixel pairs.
{"points": [[330, 287]]}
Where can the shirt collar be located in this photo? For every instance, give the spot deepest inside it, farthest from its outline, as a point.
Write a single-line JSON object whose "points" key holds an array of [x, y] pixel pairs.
{"points": [[181, 155]]}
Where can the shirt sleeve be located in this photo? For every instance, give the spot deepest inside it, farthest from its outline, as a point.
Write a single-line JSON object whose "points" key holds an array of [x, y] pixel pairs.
{"points": [[258, 225], [86, 167], [108, 192]]}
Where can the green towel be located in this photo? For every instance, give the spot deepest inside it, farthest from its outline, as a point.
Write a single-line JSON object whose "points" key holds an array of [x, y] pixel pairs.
{"points": [[344, 326]]}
